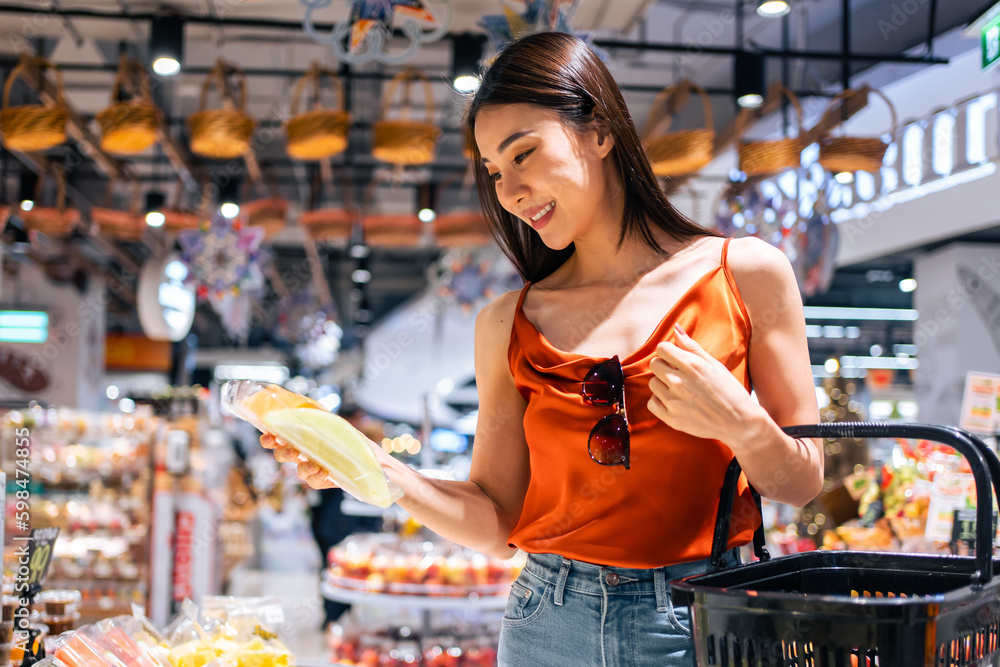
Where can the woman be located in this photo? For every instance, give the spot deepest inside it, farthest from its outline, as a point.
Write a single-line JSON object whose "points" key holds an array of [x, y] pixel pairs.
{"points": [[601, 447]]}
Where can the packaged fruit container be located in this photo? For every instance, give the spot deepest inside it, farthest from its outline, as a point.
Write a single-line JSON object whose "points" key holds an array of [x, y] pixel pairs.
{"points": [[327, 440]]}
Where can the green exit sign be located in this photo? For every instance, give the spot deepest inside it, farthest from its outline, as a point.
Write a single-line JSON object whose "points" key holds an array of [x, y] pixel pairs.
{"points": [[991, 43]]}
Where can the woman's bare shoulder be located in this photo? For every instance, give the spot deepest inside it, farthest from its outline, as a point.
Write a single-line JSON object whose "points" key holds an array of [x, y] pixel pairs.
{"points": [[751, 259], [500, 311]]}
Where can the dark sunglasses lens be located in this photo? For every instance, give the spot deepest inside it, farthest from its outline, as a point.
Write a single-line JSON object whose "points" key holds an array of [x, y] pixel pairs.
{"points": [[603, 384], [609, 441]]}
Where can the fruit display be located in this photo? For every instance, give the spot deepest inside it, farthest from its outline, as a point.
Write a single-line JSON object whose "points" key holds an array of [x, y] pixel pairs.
{"points": [[897, 497], [324, 438], [397, 647], [238, 640], [393, 564]]}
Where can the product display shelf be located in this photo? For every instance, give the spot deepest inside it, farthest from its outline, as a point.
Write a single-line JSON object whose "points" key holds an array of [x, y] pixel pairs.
{"points": [[472, 602]]}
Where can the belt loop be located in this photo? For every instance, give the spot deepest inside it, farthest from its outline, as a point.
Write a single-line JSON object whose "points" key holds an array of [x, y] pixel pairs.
{"points": [[557, 597], [660, 584]]}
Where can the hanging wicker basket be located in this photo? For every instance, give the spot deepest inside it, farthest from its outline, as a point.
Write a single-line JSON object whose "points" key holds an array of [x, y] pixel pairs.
{"points": [[268, 213], [318, 133], [404, 141], [465, 228], [329, 224], [222, 133], [392, 230], [131, 126], [760, 158], [178, 217], [119, 224], [53, 221], [837, 154], [33, 127], [684, 151]]}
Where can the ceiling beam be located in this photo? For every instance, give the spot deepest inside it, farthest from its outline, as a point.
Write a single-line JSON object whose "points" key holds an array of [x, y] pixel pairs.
{"points": [[610, 44]]}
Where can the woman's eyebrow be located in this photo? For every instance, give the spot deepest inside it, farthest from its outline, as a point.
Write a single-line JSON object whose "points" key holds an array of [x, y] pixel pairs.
{"points": [[509, 140]]}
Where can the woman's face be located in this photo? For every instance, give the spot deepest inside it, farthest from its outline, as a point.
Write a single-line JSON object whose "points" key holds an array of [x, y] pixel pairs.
{"points": [[544, 171]]}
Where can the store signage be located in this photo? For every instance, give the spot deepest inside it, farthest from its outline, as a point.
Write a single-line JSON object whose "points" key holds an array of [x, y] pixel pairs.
{"points": [[184, 546], [951, 147], [963, 527], [981, 403], [991, 43], [21, 372], [165, 302], [40, 555]]}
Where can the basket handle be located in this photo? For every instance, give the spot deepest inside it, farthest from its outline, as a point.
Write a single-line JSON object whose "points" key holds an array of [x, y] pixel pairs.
{"points": [[131, 71], [851, 92], [313, 76], [219, 75], [406, 77], [41, 63], [658, 120], [981, 462]]}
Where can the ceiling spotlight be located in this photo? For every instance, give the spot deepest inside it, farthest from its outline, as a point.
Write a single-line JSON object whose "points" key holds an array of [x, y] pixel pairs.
{"points": [[154, 204], [844, 177], [229, 199], [466, 52], [749, 79], [166, 45], [27, 190], [907, 285], [771, 9], [361, 276], [426, 215], [360, 251]]}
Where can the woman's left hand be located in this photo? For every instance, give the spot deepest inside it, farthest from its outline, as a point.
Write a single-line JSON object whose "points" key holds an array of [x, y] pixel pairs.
{"points": [[695, 393]]}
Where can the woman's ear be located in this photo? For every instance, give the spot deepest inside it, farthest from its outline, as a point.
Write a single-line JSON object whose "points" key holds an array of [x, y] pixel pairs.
{"points": [[605, 142]]}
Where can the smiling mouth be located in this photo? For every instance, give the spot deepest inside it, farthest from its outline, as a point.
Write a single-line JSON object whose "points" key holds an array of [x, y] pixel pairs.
{"points": [[541, 214]]}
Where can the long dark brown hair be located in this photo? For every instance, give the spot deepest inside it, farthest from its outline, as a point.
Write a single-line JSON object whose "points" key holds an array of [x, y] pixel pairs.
{"points": [[558, 71]]}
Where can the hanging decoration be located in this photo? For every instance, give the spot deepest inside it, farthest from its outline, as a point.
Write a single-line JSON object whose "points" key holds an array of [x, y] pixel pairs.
{"points": [[523, 17], [367, 31], [801, 229], [224, 262], [470, 277]]}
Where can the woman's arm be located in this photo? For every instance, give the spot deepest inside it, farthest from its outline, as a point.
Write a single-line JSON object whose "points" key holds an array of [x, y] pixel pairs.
{"points": [[480, 513], [695, 393]]}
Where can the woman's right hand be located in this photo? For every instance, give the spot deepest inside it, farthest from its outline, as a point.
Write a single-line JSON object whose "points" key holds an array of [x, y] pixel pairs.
{"points": [[308, 472]]}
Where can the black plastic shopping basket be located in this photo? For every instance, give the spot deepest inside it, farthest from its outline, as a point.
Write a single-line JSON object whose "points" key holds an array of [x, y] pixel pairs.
{"points": [[844, 608]]}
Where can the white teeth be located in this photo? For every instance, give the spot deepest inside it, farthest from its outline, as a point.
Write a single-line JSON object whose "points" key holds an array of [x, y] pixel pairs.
{"points": [[538, 216]]}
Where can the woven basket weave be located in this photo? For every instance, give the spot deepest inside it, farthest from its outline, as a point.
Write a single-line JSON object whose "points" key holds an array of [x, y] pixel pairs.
{"points": [[222, 133], [467, 228], [837, 154], [119, 224], [404, 141], [329, 224], [270, 212], [52, 221], [134, 125], [33, 127], [392, 230], [178, 217], [759, 158], [318, 133], [680, 152]]}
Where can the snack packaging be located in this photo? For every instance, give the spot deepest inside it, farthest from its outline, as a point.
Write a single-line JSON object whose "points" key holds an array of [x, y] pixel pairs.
{"points": [[322, 437]]}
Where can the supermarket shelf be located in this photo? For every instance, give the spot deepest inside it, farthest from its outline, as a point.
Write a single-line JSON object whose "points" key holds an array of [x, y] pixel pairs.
{"points": [[471, 603]]}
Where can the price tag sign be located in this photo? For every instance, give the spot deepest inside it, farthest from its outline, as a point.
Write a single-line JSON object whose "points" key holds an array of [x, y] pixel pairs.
{"points": [[40, 555], [964, 527]]}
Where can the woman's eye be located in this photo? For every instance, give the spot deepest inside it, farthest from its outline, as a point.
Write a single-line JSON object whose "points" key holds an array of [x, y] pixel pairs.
{"points": [[520, 158], [495, 176]]}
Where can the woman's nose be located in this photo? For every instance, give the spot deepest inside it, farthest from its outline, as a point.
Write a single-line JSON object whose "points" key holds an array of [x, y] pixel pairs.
{"points": [[513, 191]]}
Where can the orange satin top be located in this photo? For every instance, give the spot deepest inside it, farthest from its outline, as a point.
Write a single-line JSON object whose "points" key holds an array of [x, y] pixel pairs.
{"points": [[662, 510]]}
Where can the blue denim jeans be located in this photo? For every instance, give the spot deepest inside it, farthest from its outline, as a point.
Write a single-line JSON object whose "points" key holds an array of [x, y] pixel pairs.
{"points": [[567, 612]]}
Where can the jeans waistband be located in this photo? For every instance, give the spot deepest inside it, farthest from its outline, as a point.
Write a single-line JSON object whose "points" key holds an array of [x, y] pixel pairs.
{"points": [[590, 579]]}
